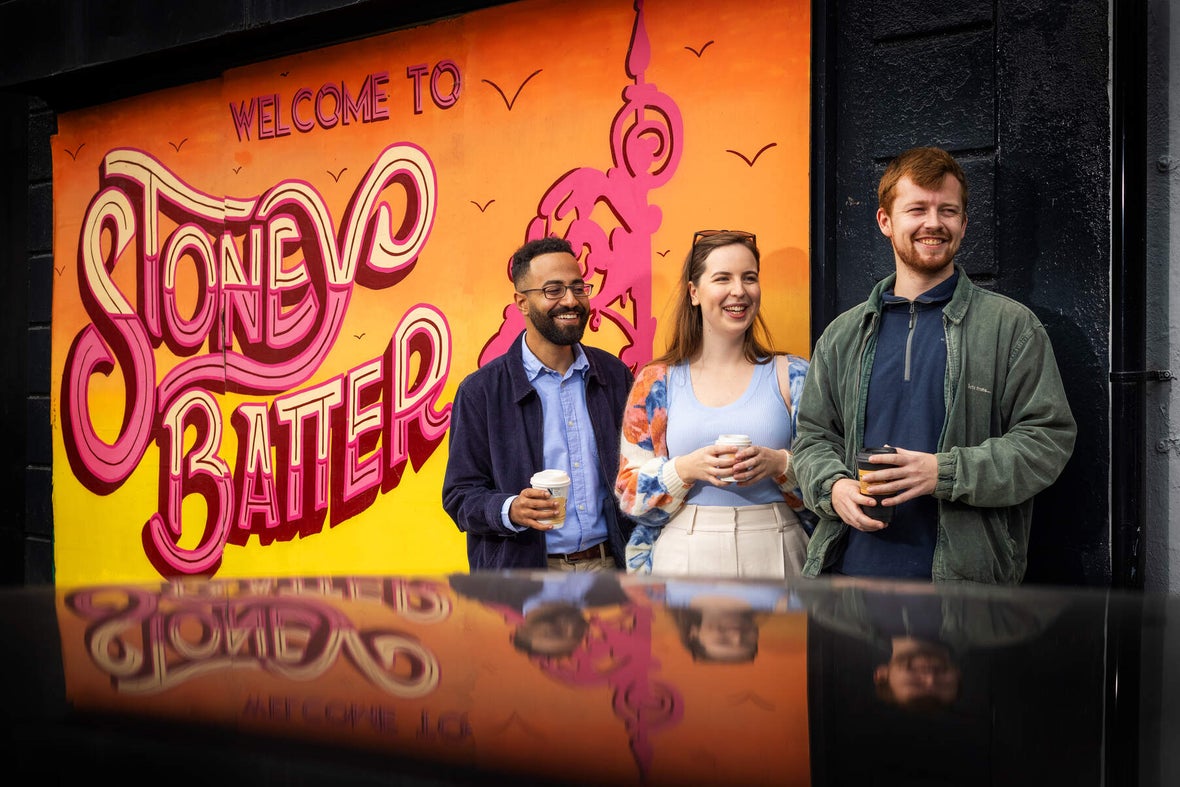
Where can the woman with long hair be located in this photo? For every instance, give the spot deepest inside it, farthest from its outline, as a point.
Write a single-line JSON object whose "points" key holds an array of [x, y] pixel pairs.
{"points": [[705, 509]]}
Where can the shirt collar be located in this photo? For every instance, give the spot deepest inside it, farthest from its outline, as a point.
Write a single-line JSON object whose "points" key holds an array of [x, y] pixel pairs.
{"points": [[533, 368]]}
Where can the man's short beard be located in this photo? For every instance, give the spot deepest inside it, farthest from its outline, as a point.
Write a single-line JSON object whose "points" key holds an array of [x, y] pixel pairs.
{"points": [[548, 328]]}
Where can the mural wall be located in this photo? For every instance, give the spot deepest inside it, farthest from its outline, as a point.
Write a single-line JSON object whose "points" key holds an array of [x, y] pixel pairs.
{"points": [[268, 285]]}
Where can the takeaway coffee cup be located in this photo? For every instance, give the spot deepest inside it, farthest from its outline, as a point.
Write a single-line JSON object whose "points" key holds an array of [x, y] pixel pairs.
{"points": [[738, 441], [556, 483], [863, 465]]}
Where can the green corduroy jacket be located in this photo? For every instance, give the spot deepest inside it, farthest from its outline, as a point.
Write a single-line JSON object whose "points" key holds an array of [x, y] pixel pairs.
{"points": [[1007, 433]]}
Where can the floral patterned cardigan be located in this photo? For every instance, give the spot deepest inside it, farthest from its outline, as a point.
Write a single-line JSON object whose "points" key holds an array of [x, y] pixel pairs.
{"points": [[648, 487]]}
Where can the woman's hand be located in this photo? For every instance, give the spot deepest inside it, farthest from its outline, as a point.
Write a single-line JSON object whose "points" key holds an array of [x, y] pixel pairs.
{"points": [[746, 466], [758, 462], [708, 464]]}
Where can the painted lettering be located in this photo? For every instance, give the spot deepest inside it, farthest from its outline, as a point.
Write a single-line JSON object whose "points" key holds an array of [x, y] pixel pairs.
{"points": [[273, 280], [269, 116], [445, 72], [290, 497]]}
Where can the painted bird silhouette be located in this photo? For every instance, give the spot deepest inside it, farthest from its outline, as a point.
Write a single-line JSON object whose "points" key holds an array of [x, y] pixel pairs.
{"points": [[750, 161], [508, 103]]}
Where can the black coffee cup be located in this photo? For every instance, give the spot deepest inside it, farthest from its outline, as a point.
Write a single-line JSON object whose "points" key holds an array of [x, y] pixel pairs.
{"points": [[863, 465]]}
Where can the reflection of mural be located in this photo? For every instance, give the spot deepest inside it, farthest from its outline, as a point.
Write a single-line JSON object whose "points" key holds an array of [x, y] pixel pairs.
{"points": [[426, 667], [150, 642], [614, 649], [270, 283]]}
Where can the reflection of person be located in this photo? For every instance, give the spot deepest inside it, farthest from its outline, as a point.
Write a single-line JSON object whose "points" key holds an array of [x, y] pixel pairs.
{"points": [[551, 610], [960, 380], [924, 635], [549, 402], [920, 675], [719, 376], [718, 622]]}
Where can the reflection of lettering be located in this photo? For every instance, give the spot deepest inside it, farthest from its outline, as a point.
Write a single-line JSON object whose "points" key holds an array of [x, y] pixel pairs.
{"points": [[419, 600], [148, 642], [453, 726], [274, 279], [645, 146], [322, 712]]}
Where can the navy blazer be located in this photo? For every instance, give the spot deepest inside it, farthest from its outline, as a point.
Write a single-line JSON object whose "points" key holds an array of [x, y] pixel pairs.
{"points": [[495, 447]]}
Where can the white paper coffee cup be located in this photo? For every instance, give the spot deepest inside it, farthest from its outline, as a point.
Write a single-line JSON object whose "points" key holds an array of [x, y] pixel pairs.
{"points": [[557, 484], [738, 441]]}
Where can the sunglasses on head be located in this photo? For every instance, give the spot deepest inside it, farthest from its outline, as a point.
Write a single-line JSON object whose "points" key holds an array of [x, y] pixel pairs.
{"points": [[743, 236]]}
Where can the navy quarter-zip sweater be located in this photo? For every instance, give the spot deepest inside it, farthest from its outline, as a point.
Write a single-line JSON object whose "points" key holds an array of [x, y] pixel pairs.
{"points": [[905, 409]]}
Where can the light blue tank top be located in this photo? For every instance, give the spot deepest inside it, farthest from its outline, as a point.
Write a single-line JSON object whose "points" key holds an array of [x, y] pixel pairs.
{"points": [[760, 412]]}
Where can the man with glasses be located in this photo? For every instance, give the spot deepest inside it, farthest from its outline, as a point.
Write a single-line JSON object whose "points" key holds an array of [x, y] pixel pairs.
{"points": [[549, 402]]}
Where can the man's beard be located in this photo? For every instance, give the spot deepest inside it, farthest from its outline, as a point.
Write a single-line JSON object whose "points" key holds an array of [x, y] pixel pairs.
{"points": [[561, 334], [911, 257]]}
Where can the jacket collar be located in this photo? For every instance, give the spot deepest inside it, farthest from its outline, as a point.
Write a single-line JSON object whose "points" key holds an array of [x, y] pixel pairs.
{"points": [[955, 309]]}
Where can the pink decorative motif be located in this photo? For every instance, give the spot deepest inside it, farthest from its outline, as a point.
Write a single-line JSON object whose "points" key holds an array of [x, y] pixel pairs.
{"points": [[645, 139], [617, 651]]}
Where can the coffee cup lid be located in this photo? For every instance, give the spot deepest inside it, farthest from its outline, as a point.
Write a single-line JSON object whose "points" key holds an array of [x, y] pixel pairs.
{"points": [[550, 478], [733, 438]]}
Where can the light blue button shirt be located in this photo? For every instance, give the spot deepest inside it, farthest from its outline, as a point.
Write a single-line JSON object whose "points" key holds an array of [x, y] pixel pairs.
{"points": [[568, 445]]}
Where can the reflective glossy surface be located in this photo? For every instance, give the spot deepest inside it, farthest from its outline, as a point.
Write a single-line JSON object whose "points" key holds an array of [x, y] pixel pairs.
{"points": [[578, 678]]}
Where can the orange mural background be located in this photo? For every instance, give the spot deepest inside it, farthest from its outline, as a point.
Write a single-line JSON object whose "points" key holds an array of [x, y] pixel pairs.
{"points": [[522, 95]]}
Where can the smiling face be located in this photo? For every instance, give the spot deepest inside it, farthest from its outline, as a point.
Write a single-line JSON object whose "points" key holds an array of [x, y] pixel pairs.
{"points": [[925, 227], [919, 672], [560, 322], [728, 635], [728, 291], [553, 629]]}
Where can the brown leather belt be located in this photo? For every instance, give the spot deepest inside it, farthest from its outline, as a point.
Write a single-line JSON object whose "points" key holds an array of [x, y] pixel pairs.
{"points": [[596, 552]]}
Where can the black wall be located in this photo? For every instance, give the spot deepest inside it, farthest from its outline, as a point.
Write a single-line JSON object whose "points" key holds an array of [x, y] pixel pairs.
{"points": [[1018, 92], [1016, 89]]}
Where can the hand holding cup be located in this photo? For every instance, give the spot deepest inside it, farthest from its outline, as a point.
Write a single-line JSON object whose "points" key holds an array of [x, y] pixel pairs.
{"points": [[863, 465], [737, 442], [557, 484]]}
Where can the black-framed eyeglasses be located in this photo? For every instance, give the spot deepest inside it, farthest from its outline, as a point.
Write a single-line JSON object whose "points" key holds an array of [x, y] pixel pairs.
{"points": [[743, 236], [556, 292]]}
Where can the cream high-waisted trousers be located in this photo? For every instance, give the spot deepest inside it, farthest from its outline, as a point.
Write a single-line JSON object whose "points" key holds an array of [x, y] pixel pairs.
{"points": [[764, 541]]}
